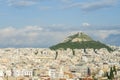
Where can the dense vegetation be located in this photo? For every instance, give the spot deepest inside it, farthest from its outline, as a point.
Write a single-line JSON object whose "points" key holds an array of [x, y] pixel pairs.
{"points": [[81, 45], [87, 42]]}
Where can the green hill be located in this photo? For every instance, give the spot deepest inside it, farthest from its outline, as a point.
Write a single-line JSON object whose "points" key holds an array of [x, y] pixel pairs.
{"points": [[80, 41]]}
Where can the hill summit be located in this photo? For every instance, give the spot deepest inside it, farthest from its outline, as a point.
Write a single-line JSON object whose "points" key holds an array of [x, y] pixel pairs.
{"points": [[80, 41], [79, 37]]}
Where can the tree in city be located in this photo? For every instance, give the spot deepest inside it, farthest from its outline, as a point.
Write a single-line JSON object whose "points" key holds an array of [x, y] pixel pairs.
{"points": [[115, 70], [110, 75], [36, 52], [73, 52], [88, 71]]}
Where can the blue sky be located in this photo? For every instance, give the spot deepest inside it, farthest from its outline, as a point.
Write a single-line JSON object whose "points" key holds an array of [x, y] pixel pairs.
{"points": [[42, 23]]}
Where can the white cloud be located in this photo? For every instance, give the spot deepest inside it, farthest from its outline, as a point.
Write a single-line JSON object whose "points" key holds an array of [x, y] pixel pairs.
{"points": [[24, 3], [37, 36], [85, 24], [33, 28], [21, 3], [29, 36], [98, 5], [102, 34], [105, 33], [66, 1], [45, 7], [58, 25], [5, 32], [25, 35], [95, 5], [86, 5]]}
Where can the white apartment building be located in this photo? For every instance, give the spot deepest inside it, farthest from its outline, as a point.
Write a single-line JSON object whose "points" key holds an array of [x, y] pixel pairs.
{"points": [[52, 73], [8, 73], [23, 72], [1, 73]]}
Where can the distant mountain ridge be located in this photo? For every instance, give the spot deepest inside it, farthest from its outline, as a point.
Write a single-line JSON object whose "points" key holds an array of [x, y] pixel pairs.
{"points": [[113, 39], [80, 41]]}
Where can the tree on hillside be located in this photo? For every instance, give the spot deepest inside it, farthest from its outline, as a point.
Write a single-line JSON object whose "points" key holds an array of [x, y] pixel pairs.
{"points": [[56, 55]]}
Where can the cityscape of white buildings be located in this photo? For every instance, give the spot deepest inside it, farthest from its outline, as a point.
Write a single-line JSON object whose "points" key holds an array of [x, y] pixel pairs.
{"points": [[46, 64]]}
